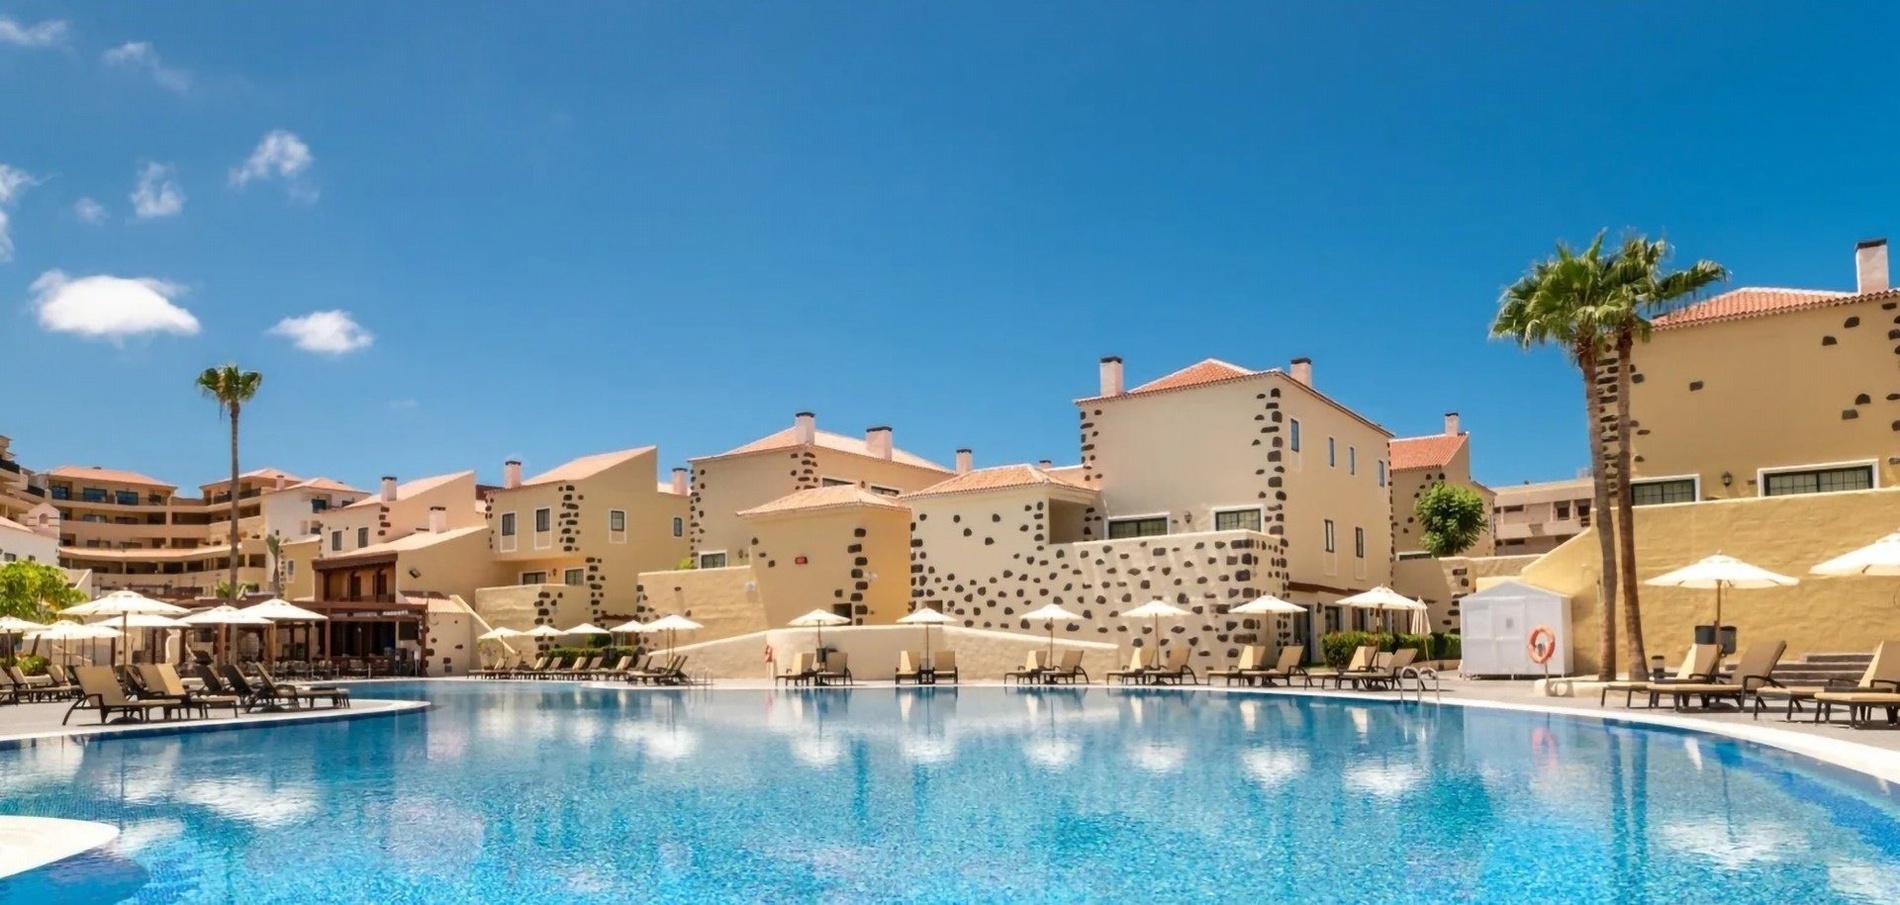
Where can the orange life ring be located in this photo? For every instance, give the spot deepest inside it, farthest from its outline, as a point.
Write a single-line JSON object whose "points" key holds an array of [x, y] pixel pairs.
{"points": [[1543, 644]]}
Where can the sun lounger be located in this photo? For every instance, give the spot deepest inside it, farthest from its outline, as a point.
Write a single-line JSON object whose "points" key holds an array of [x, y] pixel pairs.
{"points": [[163, 678], [1176, 670], [943, 664], [257, 696], [620, 668], [1698, 666], [308, 694], [835, 670], [909, 666], [42, 688], [99, 689], [1384, 672], [658, 672], [1860, 706], [1290, 666], [1361, 663], [1069, 670], [1882, 675], [1035, 662], [1251, 656], [1140, 663], [1755, 669]]}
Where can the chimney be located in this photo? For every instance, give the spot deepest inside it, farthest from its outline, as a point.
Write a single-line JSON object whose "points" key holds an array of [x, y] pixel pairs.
{"points": [[1302, 370], [438, 519], [1451, 424], [877, 440], [1870, 265], [1112, 376], [679, 481], [804, 428], [1047, 464], [511, 474], [389, 488], [281, 482], [963, 461]]}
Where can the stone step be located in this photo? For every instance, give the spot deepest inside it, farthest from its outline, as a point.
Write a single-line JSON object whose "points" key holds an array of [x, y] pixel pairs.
{"points": [[1860, 659]]}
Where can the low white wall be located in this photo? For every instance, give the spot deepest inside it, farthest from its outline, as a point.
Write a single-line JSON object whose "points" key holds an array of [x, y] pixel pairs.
{"points": [[981, 654]]}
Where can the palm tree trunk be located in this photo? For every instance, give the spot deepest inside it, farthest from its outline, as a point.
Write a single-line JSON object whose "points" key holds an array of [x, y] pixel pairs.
{"points": [[1626, 505], [233, 559], [1600, 517]]}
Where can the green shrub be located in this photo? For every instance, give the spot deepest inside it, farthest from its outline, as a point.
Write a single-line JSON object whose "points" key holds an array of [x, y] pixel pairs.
{"points": [[31, 664], [610, 651], [1338, 647], [1450, 647]]}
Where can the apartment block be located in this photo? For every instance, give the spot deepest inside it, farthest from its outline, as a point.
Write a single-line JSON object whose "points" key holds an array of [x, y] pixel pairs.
{"points": [[1539, 517]]}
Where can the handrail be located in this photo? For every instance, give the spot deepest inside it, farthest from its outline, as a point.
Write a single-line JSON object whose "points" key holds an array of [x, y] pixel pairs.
{"points": [[1419, 675]]}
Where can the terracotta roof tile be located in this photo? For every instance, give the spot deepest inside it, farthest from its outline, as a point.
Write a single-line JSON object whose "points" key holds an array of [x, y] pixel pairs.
{"points": [[1211, 370], [1757, 301], [785, 439], [1423, 452], [998, 478], [107, 475], [838, 497], [585, 467]]}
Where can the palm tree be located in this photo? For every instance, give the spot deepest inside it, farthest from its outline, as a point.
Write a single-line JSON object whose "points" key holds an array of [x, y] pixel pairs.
{"points": [[231, 387], [1563, 301], [275, 548], [1652, 289]]}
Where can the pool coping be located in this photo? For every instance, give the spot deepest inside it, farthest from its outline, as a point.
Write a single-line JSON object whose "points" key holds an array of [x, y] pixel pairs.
{"points": [[82, 734]]}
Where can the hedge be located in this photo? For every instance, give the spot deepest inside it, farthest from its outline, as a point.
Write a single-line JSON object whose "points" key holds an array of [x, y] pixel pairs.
{"points": [[1338, 647]]}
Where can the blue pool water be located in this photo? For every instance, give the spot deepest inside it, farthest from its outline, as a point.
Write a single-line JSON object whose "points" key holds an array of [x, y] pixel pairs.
{"points": [[533, 793]]}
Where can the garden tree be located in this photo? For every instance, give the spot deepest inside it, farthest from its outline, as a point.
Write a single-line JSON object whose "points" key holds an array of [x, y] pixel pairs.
{"points": [[1453, 518], [275, 548], [231, 387], [1565, 300], [34, 591], [1650, 289]]}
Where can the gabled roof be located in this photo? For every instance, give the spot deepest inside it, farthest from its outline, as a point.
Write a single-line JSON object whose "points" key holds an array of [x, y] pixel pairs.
{"points": [[787, 439], [328, 484], [818, 498], [1434, 451], [1001, 477], [412, 488], [269, 474], [1209, 370], [1758, 301], [585, 466], [107, 475], [12, 525]]}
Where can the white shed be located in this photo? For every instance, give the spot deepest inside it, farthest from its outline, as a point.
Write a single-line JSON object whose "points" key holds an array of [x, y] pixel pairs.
{"points": [[1496, 630]]}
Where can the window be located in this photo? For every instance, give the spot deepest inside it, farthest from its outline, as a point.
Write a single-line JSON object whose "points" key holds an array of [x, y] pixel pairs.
{"points": [[362, 538], [8, 557], [574, 578], [92, 517], [616, 526], [714, 560], [1671, 490], [1352, 460], [1330, 544], [543, 518], [1513, 509], [1818, 480], [1237, 519], [884, 491], [336, 541], [1563, 510], [1359, 542], [126, 497], [534, 578], [62, 493], [507, 524], [1583, 509], [1381, 472], [836, 482], [1147, 526], [290, 568], [1332, 453], [1293, 434], [319, 504], [679, 527], [92, 495]]}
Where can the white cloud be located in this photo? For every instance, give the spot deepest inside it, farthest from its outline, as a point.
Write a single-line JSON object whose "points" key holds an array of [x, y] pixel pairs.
{"points": [[50, 33], [280, 155], [12, 183], [143, 57], [89, 211], [109, 307], [157, 194], [324, 332]]}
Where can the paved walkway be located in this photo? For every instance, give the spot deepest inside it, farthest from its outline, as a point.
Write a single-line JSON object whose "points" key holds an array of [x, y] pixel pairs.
{"points": [[28, 723]]}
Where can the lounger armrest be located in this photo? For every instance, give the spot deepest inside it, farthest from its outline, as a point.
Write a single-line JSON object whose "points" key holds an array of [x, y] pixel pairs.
{"points": [[1891, 684]]}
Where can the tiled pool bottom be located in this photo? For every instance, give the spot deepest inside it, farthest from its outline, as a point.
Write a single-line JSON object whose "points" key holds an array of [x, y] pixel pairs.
{"points": [[535, 793]]}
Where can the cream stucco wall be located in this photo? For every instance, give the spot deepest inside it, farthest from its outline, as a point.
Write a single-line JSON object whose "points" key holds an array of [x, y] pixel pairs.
{"points": [[457, 565], [723, 486], [406, 515], [725, 601], [26, 546], [1785, 534], [1792, 389], [1408, 485], [855, 557]]}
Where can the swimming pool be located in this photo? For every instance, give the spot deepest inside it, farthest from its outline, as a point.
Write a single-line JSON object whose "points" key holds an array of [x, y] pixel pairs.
{"points": [[547, 792]]}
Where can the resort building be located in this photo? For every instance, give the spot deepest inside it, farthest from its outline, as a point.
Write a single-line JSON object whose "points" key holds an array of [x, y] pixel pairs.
{"points": [[1206, 487], [1419, 463], [20, 543], [1536, 518], [570, 543]]}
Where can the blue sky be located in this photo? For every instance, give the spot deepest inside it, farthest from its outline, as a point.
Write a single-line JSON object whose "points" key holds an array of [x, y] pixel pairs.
{"points": [[570, 229]]}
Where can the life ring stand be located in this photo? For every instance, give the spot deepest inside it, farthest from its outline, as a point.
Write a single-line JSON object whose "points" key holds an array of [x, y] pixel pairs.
{"points": [[1542, 644]]}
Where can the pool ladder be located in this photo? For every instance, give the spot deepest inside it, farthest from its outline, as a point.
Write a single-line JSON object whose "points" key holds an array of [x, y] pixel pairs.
{"points": [[1417, 678]]}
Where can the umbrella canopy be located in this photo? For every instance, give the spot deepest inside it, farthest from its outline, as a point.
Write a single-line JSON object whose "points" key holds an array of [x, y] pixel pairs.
{"points": [[673, 623], [498, 634], [124, 603], [587, 628], [74, 631], [144, 620], [1721, 573], [543, 631], [1154, 610], [1882, 557], [1051, 613], [926, 617], [818, 619], [1268, 605], [280, 610], [630, 627], [223, 615], [14, 625], [1380, 599]]}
